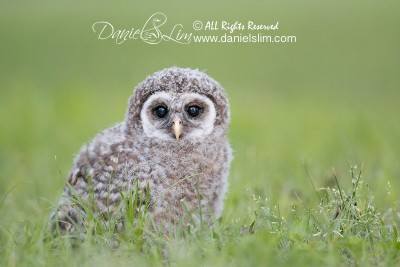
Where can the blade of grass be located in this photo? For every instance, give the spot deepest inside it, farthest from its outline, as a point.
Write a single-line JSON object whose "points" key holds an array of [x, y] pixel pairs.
{"points": [[309, 178]]}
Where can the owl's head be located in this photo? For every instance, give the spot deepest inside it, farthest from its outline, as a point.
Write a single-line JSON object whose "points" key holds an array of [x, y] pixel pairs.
{"points": [[178, 104]]}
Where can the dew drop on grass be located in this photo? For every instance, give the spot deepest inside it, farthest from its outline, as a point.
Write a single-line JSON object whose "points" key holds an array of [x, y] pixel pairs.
{"points": [[388, 187]]}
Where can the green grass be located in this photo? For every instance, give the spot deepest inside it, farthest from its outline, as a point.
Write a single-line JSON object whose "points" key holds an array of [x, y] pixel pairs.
{"points": [[303, 115], [341, 228]]}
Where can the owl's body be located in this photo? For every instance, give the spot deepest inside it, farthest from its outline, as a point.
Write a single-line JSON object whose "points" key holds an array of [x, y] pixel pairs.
{"points": [[172, 142]]}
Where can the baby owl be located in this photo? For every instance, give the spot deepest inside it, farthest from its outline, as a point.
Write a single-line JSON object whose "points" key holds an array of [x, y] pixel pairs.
{"points": [[171, 145]]}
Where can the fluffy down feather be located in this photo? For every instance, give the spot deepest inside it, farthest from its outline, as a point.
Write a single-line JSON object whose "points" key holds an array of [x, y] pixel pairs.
{"points": [[193, 171]]}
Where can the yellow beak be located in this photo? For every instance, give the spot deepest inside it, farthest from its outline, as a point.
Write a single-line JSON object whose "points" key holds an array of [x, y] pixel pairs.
{"points": [[177, 127]]}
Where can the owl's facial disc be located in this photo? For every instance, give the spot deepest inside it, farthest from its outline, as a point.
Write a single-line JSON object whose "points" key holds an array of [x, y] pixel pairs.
{"points": [[175, 117]]}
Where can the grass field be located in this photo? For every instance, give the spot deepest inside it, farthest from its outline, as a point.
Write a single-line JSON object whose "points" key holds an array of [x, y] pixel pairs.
{"points": [[307, 118]]}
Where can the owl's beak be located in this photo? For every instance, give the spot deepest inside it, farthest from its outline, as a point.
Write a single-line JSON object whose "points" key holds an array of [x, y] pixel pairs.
{"points": [[177, 127]]}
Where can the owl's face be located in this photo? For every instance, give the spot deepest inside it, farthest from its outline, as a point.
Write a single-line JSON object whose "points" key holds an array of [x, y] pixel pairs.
{"points": [[177, 116]]}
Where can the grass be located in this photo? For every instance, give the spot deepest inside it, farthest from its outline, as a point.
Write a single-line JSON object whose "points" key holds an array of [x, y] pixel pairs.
{"points": [[342, 227], [297, 111]]}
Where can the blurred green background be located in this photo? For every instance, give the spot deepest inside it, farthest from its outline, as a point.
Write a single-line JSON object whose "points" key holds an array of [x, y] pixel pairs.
{"points": [[327, 100]]}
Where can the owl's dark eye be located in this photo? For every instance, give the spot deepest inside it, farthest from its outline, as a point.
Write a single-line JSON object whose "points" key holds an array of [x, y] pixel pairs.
{"points": [[160, 111], [193, 111]]}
